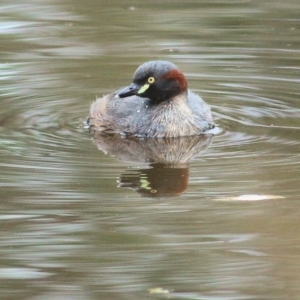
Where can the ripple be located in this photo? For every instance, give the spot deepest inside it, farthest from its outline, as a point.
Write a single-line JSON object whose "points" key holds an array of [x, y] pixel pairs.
{"points": [[22, 273]]}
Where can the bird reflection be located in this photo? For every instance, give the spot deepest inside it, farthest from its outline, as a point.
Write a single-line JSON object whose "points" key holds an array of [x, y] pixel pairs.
{"points": [[167, 161], [157, 181]]}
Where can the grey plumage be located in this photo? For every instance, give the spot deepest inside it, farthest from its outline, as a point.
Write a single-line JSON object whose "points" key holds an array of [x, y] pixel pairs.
{"points": [[150, 114]]}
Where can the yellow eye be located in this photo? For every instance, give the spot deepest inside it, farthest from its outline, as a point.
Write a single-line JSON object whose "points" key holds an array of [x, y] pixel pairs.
{"points": [[151, 80]]}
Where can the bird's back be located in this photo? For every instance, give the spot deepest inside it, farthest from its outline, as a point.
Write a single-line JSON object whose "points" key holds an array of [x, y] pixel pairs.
{"points": [[136, 116]]}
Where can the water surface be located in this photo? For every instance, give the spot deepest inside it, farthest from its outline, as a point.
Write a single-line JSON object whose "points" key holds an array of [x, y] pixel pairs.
{"points": [[80, 223]]}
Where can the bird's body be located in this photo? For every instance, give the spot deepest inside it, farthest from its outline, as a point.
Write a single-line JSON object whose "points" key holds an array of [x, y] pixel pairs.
{"points": [[156, 105]]}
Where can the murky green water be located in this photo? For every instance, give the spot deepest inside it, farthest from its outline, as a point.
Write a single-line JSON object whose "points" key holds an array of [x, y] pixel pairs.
{"points": [[80, 223]]}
